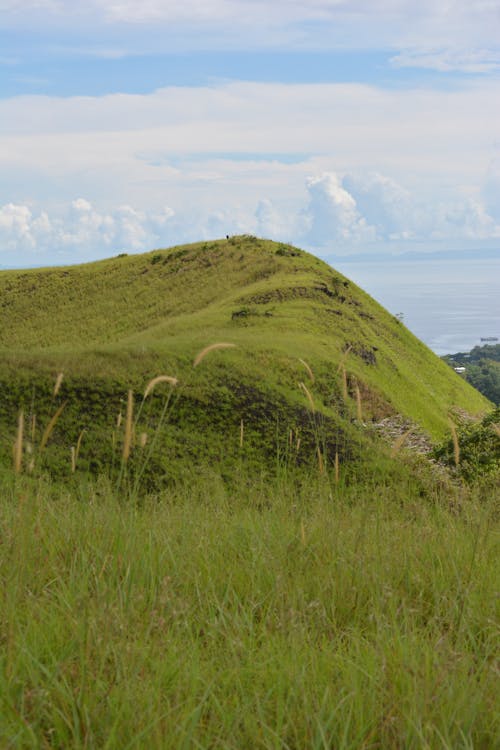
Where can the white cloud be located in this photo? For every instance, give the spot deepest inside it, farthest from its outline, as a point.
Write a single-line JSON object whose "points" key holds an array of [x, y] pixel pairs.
{"points": [[387, 207], [464, 220], [15, 227], [81, 230], [416, 131], [374, 212], [456, 29], [388, 165], [332, 214]]}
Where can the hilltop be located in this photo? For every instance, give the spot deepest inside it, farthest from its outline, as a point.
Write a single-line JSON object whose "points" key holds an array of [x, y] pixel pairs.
{"points": [[113, 325]]}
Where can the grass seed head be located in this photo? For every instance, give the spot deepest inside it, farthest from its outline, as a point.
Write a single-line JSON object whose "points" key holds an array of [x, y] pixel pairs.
{"points": [[309, 397], [48, 430], [213, 347], [344, 383], [309, 371], [127, 440], [159, 379], [57, 385], [78, 445]]}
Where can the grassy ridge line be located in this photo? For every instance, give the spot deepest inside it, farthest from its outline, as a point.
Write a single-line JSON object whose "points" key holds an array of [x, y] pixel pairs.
{"points": [[271, 617], [120, 322]]}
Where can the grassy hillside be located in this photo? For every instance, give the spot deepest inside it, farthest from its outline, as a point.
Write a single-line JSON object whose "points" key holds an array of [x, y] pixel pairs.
{"points": [[260, 572], [113, 325]]}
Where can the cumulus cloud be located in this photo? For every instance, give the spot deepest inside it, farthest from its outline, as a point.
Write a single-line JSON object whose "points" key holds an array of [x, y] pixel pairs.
{"points": [[386, 206], [81, 230], [467, 219], [332, 214], [362, 209], [339, 213]]}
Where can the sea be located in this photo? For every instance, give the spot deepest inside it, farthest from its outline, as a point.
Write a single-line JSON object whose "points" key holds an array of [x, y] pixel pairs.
{"points": [[448, 304]]}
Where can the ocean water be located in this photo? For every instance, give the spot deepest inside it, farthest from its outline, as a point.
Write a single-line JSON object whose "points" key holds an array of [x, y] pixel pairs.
{"points": [[448, 304]]}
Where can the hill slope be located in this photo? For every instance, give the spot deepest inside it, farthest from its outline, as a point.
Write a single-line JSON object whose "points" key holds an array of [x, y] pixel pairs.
{"points": [[115, 324]]}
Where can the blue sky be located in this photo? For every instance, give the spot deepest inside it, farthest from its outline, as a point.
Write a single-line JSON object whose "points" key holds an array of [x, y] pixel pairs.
{"points": [[349, 127]]}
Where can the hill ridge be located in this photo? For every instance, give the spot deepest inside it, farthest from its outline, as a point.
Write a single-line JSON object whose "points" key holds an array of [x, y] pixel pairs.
{"points": [[116, 323]]}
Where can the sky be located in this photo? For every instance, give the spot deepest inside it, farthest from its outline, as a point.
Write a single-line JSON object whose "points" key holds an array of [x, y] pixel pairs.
{"points": [[352, 128]]}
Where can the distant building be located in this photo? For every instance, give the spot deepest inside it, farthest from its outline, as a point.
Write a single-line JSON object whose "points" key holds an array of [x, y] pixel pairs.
{"points": [[459, 369]]}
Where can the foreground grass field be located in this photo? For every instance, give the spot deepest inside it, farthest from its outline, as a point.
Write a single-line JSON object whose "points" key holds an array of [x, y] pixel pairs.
{"points": [[274, 616]]}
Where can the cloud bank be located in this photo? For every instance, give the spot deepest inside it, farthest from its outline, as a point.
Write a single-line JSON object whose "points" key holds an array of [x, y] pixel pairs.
{"points": [[340, 214]]}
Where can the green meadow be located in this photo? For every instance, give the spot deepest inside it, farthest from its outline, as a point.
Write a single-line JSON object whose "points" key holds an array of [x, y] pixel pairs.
{"points": [[218, 526]]}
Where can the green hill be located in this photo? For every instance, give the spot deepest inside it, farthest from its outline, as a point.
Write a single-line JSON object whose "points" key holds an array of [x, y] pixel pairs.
{"points": [[113, 325]]}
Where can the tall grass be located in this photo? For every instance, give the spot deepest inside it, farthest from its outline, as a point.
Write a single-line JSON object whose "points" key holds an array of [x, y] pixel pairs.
{"points": [[271, 617]]}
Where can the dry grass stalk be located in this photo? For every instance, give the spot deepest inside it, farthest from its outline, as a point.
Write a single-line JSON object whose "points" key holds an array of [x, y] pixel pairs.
{"points": [[73, 459], [456, 446], [242, 433], [57, 385], [33, 427], [119, 420], [143, 439], [344, 384], [359, 410], [400, 441], [309, 371], [159, 379], [297, 445], [127, 440], [336, 468], [48, 430], [321, 464], [201, 355], [343, 358], [78, 445], [18, 445], [306, 390]]}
